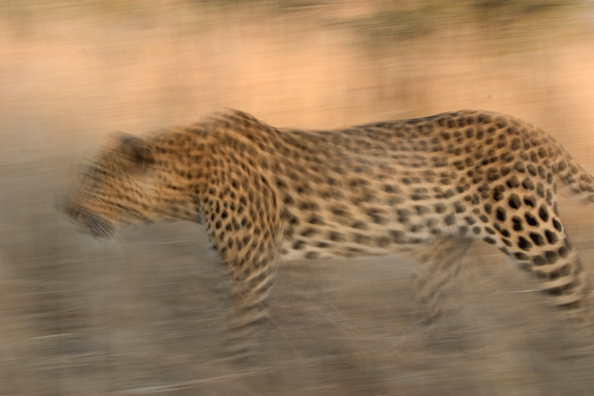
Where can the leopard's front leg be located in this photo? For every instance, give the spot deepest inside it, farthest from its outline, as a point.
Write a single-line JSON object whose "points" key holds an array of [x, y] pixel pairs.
{"points": [[242, 216]]}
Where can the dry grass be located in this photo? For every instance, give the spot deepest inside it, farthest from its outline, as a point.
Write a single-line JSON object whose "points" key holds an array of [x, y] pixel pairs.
{"points": [[144, 315]]}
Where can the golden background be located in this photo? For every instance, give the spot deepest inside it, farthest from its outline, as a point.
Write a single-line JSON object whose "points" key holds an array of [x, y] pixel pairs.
{"points": [[145, 314]]}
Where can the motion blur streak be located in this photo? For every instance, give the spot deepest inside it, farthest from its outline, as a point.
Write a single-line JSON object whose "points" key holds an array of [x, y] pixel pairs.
{"points": [[145, 313]]}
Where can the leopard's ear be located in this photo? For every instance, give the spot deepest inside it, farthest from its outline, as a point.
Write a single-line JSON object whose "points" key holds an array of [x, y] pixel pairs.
{"points": [[137, 150]]}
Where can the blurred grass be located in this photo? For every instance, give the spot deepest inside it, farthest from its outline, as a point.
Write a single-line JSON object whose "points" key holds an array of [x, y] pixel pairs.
{"points": [[377, 22], [520, 23]]}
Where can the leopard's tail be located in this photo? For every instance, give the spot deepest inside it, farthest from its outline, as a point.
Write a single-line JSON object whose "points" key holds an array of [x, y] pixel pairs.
{"points": [[573, 178]]}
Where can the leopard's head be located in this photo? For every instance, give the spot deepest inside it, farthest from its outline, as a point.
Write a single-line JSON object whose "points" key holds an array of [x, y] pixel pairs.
{"points": [[130, 182]]}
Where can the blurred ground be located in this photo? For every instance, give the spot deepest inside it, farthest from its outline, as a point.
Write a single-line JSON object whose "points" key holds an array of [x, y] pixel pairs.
{"points": [[144, 315]]}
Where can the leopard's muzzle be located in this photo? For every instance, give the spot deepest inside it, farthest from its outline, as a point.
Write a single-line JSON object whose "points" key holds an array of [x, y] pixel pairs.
{"points": [[89, 222]]}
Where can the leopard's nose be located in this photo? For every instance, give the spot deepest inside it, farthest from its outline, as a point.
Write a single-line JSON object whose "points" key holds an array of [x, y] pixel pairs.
{"points": [[66, 209]]}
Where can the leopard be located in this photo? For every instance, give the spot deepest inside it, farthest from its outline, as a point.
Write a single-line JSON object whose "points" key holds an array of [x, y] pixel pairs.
{"points": [[265, 195]]}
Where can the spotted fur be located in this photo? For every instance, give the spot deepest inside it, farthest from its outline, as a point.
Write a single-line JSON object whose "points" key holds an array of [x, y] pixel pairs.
{"points": [[263, 193]]}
